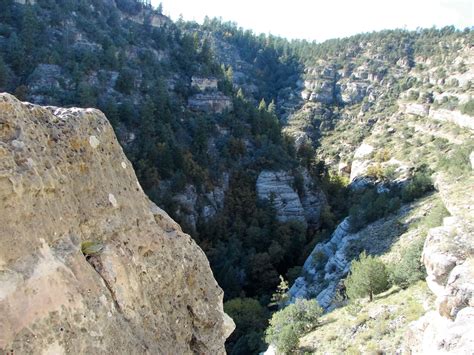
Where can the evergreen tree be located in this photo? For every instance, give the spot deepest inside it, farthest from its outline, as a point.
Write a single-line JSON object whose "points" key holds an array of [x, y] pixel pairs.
{"points": [[272, 108], [410, 268], [281, 295], [229, 74], [159, 8], [292, 322], [368, 277], [5, 10], [3, 74]]}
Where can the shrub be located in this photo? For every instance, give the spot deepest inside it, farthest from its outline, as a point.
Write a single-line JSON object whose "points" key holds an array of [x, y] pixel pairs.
{"points": [[413, 95], [468, 108], [457, 161], [250, 319], [382, 155], [289, 324], [376, 172], [91, 247], [420, 184], [371, 206], [368, 276], [410, 268], [319, 260]]}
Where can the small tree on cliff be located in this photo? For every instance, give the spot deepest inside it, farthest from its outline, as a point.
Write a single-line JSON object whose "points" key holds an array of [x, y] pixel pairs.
{"points": [[368, 276], [291, 323], [281, 295]]}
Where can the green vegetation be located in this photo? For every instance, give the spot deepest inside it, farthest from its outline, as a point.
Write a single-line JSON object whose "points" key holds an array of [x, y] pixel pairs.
{"points": [[410, 268], [419, 185], [280, 297], [456, 161], [289, 324], [368, 327], [140, 75], [468, 108], [369, 205], [251, 320], [91, 248], [368, 277]]}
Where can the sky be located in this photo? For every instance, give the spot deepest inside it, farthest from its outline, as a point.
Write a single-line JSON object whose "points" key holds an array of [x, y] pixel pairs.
{"points": [[324, 19]]}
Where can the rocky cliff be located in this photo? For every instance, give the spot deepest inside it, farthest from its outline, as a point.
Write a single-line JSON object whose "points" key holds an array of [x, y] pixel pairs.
{"points": [[448, 255], [278, 187], [88, 264]]}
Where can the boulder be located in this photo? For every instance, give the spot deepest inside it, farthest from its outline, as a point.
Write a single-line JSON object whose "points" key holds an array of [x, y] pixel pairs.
{"points": [[140, 286], [361, 160]]}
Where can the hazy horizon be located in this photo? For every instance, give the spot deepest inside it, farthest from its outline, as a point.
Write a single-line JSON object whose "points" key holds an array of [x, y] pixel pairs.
{"points": [[314, 20]]}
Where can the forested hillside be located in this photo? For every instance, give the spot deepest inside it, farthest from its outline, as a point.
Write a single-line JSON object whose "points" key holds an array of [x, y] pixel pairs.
{"points": [[248, 140]]}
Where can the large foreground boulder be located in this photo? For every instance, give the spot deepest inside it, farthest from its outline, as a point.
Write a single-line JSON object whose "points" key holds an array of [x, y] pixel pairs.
{"points": [[87, 263]]}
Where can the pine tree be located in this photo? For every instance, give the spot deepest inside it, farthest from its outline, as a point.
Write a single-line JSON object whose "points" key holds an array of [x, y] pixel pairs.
{"points": [[280, 297], [272, 108], [6, 10], [240, 94], [368, 276], [3, 74], [229, 74], [159, 8]]}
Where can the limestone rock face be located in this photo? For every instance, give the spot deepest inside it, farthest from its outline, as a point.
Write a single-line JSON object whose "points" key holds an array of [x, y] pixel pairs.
{"points": [[416, 109], [323, 269], [448, 255], [320, 85], [146, 288], [352, 92], [361, 160], [211, 103], [456, 117], [204, 84], [330, 261], [277, 187]]}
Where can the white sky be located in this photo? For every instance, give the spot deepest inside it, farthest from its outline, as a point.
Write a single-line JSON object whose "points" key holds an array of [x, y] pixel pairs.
{"points": [[324, 19]]}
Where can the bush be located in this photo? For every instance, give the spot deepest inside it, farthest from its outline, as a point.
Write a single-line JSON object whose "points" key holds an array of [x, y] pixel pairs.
{"points": [[410, 268], [413, 95], [468, 108], [368, 277], [457, 161], [251, 320], [382, 155], [91, 247], [371, 206], [376, 171], [289, 324], [319, 260], [420, 184]]}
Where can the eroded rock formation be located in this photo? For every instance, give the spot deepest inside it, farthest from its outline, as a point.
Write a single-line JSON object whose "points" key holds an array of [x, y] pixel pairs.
{"points": [[448, 255], [278, 187], [140, 286]]}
